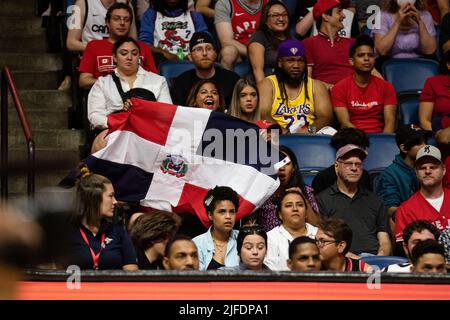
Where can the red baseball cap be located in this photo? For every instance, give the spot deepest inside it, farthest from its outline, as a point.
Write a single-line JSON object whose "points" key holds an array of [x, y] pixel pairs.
{"points": [[323, 5]]}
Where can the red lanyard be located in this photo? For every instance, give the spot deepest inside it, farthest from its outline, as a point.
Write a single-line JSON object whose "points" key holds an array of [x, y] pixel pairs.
{"points": [[95, 257]]}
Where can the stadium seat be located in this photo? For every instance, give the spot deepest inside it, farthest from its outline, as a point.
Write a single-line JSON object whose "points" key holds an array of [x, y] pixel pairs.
{"points": [[242, 69], [172, 69], [384, 261], [409, 75], [382, 151], [408, 108], [308, 176], [313, 151]]}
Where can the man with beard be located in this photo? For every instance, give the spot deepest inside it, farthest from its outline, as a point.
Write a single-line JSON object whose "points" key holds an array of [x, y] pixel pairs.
{"points": [[361, 209], [362, 100], [290, 97], [432, 201], [203, 55]]}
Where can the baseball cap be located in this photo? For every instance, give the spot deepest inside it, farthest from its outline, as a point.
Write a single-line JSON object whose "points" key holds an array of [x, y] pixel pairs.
{"points": [[409, 133], [264, 124], [200, 37], [290, 48], [323, 5], [350, 147], [429, 151]]}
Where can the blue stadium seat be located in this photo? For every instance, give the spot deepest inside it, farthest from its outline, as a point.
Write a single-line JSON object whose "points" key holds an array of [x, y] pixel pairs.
{"points": [[291, 5], [384, 261], [172, 69], [308, 176], [313, 151], [382, 151], [408, 109], [409, 74], [243, 69]]}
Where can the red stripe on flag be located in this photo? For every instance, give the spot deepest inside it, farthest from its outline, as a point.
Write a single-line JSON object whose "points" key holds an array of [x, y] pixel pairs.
{"points": [[149, 120], [191, 200]]}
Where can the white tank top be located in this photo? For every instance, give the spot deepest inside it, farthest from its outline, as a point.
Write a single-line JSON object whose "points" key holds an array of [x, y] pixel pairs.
{"points": [[95, 27], [173, 33]]}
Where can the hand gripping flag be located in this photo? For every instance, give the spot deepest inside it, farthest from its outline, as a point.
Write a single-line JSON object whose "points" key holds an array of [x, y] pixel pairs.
{"points": [[168, 157]]}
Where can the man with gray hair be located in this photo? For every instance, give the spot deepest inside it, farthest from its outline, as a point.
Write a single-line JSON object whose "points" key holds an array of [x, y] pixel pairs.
{"points": [[432, 201]]}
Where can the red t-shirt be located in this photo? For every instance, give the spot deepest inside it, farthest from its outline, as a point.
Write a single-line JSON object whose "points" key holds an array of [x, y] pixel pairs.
{"points": [[418, 208], [329, 62], [437, 90], [98, 60], [365, 105], [244, 24]]}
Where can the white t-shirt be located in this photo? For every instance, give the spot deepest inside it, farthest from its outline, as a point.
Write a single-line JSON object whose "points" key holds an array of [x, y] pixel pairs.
{"points": [[437, 202]]}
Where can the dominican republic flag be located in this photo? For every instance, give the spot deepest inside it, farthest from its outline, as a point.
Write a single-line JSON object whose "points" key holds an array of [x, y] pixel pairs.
{"points": [[167, 157]]}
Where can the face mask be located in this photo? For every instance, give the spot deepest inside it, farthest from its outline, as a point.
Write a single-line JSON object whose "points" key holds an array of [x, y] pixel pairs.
{"points": [[403, 2]]}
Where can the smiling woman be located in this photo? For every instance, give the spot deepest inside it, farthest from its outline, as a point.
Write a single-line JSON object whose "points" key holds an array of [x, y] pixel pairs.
{"points": [[206, 94]]}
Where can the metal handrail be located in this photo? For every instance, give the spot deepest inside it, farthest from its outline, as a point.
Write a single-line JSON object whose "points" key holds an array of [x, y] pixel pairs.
{"points": [[7, 82]]}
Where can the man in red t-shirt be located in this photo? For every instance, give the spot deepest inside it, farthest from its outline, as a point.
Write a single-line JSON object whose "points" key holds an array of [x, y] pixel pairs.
{"points": [[362, 100], [97, 57], [432, 201]]}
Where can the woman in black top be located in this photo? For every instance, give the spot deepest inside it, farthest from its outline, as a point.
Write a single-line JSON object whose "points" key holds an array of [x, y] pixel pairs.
{"points": [[97, 243]]}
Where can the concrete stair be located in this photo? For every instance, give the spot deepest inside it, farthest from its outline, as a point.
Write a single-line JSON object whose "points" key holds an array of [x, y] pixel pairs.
{"points": [[23, 49]]}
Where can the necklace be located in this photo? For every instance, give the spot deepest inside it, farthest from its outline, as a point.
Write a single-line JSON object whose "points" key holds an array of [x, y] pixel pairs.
{"points": [[220, 247]]}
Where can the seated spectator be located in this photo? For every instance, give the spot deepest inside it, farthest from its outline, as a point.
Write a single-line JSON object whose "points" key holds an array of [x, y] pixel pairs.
{"points": [[361, 209], [203, 55], [305, 26], [415, 232], [432, 201], [398, 181], [434, 107], [334, 239], [97, 58], [263, 44], [327, 177], [290, 179], [96, 243], [291, 210], [93, 14], [290, 97], [444, 240], [428, 256], [304, 255], [105, 97], [217, 246], [245, 101], [167, 28], [251, 248], [405, 31], [362, 100], [206, 94], [150, 234], [327, 52], [235, 22], [180, 254]]}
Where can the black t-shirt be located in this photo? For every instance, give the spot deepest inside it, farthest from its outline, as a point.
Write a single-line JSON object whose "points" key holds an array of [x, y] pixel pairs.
{"points": [[326, 178], [145, 264], [182, 84]]}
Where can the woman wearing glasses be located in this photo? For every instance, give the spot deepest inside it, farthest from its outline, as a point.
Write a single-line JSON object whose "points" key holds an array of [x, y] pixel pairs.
{"points": [[334, 239], [263, 44], [217, 246], [252, 248], [291, 210]]}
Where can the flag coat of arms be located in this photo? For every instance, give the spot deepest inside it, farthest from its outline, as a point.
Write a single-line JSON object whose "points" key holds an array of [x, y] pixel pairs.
{"points": [[168, 157]]}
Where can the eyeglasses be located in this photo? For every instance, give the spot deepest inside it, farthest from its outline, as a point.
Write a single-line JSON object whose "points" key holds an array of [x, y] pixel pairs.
{"points": [[277, 15], [323, 243], [118, 18], [202, 49], [349, 164], [252, 229]]}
